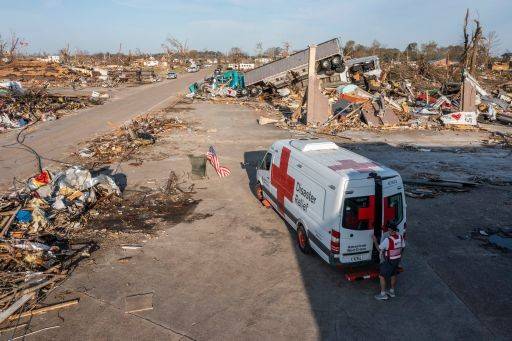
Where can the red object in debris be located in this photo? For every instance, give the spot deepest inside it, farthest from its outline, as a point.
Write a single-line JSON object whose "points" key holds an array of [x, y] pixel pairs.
{"points": [[353, 98], [362, 273], [43, 178], [368, 272], [457, 116], [422, 96]]}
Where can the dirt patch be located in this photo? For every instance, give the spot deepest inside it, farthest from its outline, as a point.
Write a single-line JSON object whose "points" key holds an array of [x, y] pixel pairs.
{"points": [[198, 216], [178, 109], [143, 211], [273, 233]]}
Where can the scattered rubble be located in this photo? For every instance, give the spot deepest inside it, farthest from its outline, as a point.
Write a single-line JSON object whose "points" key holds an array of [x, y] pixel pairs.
{"points": [[52, 223], [20, 107], [92, 73], [358, 94], [428, 185], [39, 224], [124, 143], [496, 238], [33, 72]]}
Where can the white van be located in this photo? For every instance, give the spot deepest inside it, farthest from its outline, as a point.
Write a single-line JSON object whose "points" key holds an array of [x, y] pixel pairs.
{"points": [[335, 199]]}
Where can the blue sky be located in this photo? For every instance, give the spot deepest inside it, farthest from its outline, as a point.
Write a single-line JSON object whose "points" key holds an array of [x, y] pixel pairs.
{"points": [[101, 25]]}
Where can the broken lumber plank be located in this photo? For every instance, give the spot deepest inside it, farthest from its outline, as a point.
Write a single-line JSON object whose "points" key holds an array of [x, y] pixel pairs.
{"points": [[6, 329], [431, 183], [28, 290], [46, 309], [7, 313], [464, 183], [9, 222]]}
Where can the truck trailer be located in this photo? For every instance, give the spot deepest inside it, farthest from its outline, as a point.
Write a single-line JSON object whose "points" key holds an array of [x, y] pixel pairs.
{"points": [[294, 68]]}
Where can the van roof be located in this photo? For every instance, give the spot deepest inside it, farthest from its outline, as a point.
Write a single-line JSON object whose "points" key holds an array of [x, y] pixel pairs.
{"points": [[338, 161]]}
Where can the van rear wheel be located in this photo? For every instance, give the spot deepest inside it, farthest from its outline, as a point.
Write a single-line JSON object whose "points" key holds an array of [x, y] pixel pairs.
{"points": [[303, 241]]}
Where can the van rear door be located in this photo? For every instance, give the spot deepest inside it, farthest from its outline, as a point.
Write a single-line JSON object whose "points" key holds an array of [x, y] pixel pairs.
{"points": [[357, 222], [393, 204]]}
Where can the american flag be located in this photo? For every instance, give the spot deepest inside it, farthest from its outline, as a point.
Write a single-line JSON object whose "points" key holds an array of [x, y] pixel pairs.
{"points": [[214, 161]]}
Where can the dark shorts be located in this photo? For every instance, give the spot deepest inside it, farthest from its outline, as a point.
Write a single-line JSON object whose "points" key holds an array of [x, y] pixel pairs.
{"points": [[389, 268]]}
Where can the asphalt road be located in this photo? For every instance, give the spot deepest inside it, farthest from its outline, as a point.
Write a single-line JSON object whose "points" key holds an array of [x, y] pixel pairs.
{"points": [[56, 139]]}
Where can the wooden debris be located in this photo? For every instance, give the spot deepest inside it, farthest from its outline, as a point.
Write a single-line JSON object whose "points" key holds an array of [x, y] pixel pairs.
{"points": [[7, 313], [16, 326], [131, 247], [9, 222], [46, 309]]}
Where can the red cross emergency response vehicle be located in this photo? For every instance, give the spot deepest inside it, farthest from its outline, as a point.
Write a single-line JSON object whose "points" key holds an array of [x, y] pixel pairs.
{"points": [[335, 199]]}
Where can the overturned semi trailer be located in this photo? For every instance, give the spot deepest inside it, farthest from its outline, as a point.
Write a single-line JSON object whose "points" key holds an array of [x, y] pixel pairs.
{"points": [[294, 68]]}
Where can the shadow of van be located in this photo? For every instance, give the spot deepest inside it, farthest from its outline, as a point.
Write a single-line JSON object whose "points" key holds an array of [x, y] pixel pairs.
{"points": [[250, 164]]}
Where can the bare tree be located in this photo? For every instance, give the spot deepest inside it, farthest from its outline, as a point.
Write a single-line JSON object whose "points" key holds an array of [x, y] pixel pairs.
{"points": [[376, 46], [236, 54], [65, 55], [472, 44], [81, 56], [430, 50], [259, 49], [174, 47], [490, 42], [273, 52], [286, 48], [3, 47], [348, 49], [11, 48]]}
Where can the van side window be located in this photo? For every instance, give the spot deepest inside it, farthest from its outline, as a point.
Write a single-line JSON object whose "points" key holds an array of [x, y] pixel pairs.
{"points": [[357, 213], [393, 209], [266, 163]]}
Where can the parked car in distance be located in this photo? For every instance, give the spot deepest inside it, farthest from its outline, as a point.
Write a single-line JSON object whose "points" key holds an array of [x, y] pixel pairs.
{"points": [[172, 75], [192, 69]]}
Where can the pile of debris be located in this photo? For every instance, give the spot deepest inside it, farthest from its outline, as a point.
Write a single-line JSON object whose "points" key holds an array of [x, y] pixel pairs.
{"points": [[40, 226], [356, 93], [496, 238], [19, 107], [35, 72], [123, 144], [117, 75]]}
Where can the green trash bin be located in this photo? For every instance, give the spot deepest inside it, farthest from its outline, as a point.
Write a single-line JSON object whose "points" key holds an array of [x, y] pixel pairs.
{"points": [[198, 164]]}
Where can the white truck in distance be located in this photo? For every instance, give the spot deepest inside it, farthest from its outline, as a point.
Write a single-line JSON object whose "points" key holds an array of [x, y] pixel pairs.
{"points": [[335, 199]]}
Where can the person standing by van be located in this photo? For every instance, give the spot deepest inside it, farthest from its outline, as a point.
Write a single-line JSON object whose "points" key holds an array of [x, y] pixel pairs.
{"points": [[390, 250]]}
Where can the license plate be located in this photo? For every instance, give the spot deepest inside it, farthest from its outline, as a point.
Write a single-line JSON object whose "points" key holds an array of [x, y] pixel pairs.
{"points": [[356, 259]]}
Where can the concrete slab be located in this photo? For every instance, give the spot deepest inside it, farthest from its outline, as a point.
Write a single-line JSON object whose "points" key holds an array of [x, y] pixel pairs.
{"points": [[237, 273]]}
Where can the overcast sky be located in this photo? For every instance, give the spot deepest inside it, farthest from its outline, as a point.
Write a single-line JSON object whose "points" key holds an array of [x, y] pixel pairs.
{"points": [[101, 25]]}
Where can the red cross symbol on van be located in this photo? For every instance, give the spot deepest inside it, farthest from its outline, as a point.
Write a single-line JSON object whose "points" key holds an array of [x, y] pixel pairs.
{"points": [[351, 164], [280, 179]]}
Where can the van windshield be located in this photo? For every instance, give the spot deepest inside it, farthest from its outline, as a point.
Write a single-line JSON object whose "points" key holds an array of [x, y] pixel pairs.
{"points": [[393, 209], [358, 213]]}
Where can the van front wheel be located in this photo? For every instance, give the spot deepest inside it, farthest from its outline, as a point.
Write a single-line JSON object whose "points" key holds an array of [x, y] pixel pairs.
{"points": [[302, 240], [259, 192]]}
